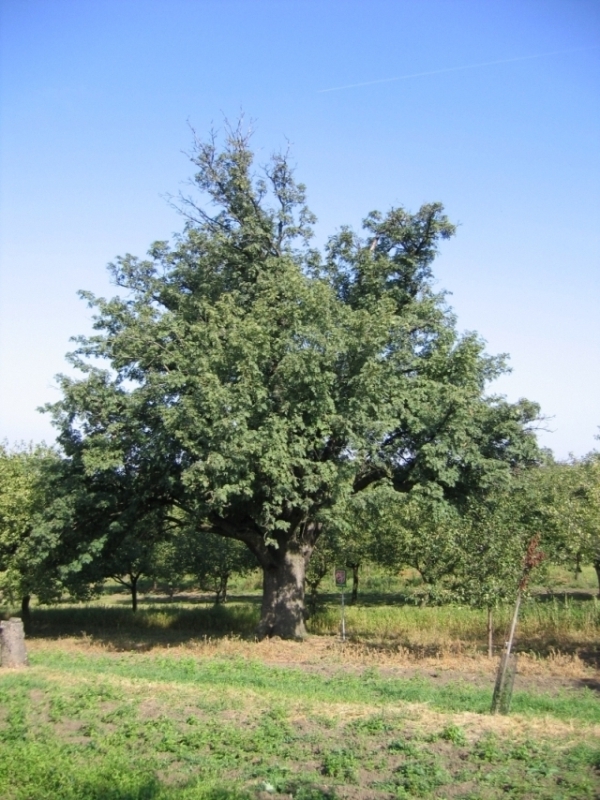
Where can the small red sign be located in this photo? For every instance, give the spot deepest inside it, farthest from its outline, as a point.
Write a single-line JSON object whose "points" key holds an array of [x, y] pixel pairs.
{"points": [[340, 577]]}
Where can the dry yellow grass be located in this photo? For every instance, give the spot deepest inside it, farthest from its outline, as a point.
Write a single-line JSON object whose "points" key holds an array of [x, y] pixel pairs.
{"points": [[174, 699], [330, 652]]}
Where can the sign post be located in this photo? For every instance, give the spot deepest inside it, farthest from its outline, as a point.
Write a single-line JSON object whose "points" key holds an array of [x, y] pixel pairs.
{"points": [[340, 581]]}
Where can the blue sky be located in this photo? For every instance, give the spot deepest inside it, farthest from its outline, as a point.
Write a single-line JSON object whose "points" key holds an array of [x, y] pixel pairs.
{"points": [[96, 97]]}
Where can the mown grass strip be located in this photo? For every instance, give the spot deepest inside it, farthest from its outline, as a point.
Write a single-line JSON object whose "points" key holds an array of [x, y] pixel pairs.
{"points": [[369, 688]]}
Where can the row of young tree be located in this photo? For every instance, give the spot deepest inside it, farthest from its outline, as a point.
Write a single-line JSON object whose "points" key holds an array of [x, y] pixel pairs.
{"points": [[55, 541], [248, 394], [476, 556]]}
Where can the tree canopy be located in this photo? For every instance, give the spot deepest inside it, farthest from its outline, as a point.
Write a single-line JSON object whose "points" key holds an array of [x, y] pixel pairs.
{"points": [[253, 383], [569, 507], [27, 546]]}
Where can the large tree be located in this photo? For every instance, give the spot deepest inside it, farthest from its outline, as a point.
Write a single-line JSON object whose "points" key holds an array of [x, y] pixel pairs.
{"points": [[263, 383]]}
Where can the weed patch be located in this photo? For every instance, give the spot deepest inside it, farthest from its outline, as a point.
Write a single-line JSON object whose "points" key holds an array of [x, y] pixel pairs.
{"points": [[162, 705], [156, 727]]}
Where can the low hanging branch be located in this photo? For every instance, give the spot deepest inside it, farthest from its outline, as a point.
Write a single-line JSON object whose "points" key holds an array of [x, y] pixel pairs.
{"points": [[507, 669]]}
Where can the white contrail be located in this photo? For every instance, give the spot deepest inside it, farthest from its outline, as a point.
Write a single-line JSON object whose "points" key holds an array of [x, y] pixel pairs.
{"points": [[454, 69]]}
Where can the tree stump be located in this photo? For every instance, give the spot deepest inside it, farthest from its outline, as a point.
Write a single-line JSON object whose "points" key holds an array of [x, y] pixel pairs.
{"points": [[12, 643]]}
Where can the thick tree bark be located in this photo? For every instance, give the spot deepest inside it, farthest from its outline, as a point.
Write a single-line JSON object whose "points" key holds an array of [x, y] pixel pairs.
{"points": [[283, 564], [283, 612], [597, 568]]}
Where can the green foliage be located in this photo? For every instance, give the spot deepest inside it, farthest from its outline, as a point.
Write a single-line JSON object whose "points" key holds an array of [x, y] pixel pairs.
{"points": [[492, 541], [254, 385], [420, 778], [470, 553], [420, 531], [340, 763], [454, 734], [27, 548], [212, 560], [569, 506]]}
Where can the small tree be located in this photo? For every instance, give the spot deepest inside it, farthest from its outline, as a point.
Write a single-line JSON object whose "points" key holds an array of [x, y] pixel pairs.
{"points": [[492, 542], [212, 560], [130, 551], [417, 530], [169, 570], [569, 498], [26, 549], [105, 519]]}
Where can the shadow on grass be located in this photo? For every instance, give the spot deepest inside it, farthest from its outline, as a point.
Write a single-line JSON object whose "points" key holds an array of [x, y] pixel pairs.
{"points": [[149, 790], [468, 645], [591, 683], [153, 789], [193, 598], [149, 627], [186, 618], [370, 599], [591, 657], [579, 595]]}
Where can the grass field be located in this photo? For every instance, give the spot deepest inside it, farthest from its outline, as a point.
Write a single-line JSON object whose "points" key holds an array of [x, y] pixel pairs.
{"points": [[179, 701]]}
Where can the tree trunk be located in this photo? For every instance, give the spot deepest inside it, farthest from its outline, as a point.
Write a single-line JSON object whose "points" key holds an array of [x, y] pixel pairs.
{"points": [[26, 612], [283, 558], [222, 590], [354, 596], [133, 586], [490, 632], [577, 570], [282, 612], [12, 643], [597, 568]]}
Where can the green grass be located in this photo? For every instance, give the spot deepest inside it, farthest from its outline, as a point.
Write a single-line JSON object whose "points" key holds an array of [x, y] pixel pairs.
{"points": [[285, 684], [156, 727], [148, 724], [543, 625]]}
